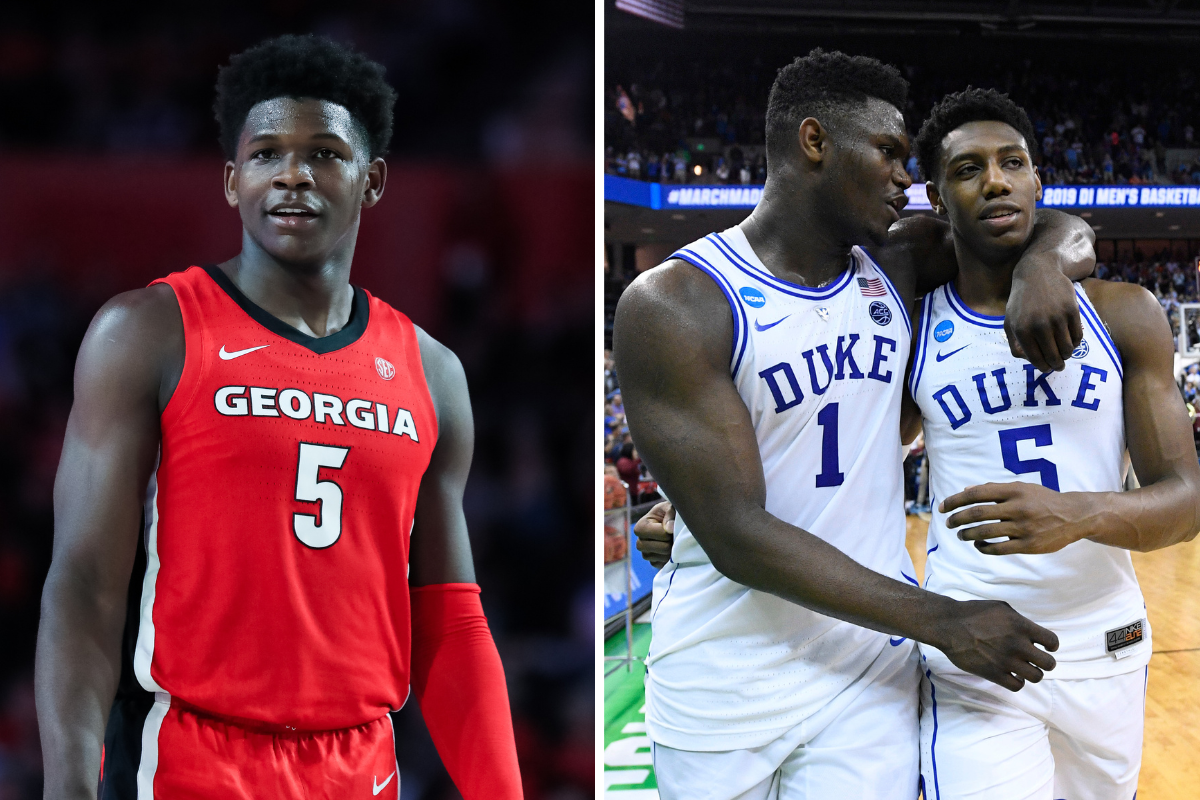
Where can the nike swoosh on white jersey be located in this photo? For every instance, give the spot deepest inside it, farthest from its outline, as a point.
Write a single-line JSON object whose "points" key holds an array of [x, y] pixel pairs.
{"points": [[376, 788], [226, 355]]}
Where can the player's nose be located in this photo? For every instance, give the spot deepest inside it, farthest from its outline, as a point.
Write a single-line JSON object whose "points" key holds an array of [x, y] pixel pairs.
{"points": [[293, 173], [995, 181]]}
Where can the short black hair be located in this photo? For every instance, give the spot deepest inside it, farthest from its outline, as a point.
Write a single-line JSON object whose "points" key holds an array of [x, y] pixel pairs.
{"points": [[956, 110], [821, 82], [305, 67]]}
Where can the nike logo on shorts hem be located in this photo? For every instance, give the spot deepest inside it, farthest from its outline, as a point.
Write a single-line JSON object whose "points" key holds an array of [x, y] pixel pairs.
{"points": [[377, 787], [941, 357], [226, 355]]}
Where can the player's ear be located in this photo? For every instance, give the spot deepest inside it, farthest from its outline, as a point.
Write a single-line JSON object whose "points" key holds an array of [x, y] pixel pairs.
{"points": [[1037, 179], [935, 198], [814, 140], [376, 180], [231, 184]]}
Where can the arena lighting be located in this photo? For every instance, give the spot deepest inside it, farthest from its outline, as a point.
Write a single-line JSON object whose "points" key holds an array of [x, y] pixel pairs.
{"points": [[696, 169]]}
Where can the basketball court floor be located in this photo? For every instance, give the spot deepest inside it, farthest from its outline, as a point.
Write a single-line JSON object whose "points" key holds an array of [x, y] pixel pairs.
{"points": [[1170, 581]]}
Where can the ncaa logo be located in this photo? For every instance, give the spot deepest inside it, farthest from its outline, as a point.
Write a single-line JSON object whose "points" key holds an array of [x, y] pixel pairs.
{"points": [[881, 313], [1082, 350], [752, 296], [384, 368], [944, 330]]}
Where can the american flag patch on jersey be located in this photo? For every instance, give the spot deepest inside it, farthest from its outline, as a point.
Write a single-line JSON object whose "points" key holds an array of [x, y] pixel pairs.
{"points": [[871, 287]]}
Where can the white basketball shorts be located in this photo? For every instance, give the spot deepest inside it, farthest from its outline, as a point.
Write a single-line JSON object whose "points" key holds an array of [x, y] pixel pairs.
{"points": [[863, 744], [1071, 739]]}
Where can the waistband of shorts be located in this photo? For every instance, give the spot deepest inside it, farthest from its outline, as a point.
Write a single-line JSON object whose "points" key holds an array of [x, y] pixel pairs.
{"points": [[257, 726]]}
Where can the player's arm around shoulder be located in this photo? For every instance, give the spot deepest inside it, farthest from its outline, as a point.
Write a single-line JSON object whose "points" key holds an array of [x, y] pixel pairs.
{"points": [[128, 365], [1157, 430]]}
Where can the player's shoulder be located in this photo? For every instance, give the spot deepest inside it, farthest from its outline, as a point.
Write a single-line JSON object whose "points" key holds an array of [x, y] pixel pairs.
{"points": [[444, 375], [146, 316], [675, 288], [1131, 313]]}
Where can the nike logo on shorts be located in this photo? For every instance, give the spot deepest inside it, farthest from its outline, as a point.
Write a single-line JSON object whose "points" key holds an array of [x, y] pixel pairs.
{"points": [[941, 357], [377, 787], [226, 355]]}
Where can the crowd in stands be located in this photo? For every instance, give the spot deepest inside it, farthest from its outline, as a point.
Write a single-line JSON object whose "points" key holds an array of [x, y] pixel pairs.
{"points": [[682, 120]]}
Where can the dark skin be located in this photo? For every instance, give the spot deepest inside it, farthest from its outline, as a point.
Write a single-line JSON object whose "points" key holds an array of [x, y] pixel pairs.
{"points": [[672, 337], [300, 153], [987, 171]]}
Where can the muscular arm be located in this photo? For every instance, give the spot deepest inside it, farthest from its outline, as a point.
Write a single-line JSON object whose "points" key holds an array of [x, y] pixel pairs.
{"points": [[1166, 509], [457, 677], [672, 340], [127, 368], [440, 550], [1042, 321]]}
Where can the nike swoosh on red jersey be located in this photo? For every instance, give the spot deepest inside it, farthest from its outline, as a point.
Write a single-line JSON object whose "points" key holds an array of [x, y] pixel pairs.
{"points": [[226, 355], [376, 787]]}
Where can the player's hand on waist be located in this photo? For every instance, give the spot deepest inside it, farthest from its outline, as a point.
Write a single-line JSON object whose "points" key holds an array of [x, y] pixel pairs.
{"points": [[1041, 319], [989, 639], [656, 534], [1024, 517]]}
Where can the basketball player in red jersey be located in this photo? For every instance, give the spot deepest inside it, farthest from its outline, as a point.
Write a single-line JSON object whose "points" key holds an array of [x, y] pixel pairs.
{"points": [[253, 447]]}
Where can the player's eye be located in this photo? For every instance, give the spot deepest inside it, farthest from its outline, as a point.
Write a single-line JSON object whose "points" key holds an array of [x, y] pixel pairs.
{"points": [[263, 154], [887, 149], [325, 152]]}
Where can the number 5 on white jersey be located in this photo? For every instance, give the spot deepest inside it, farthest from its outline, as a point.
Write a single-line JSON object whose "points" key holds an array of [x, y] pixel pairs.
{"points": [[327, 493]]}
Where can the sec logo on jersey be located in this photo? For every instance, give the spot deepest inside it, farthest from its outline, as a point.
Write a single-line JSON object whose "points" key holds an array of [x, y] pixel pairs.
{"points": [[944, 330], [753, 297], [384, 368]]}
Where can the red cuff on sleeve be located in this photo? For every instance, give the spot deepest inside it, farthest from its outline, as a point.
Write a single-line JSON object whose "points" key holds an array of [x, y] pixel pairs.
{"points": [[458, 681]]}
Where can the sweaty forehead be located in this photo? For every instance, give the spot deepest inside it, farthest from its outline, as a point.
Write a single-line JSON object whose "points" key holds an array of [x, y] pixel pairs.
{"points": [[288, 116], [878, 117], [982, 136]]}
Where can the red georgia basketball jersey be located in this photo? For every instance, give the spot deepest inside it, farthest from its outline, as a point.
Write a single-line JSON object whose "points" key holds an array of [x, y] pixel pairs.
{"points": [[277, 522]]}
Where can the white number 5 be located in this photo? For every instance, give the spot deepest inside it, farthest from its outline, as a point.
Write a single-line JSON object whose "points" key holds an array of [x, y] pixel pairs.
{"points": [[327, 493]]}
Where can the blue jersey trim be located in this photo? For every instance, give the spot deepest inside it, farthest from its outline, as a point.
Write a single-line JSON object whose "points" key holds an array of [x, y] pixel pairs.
{"points": [[741, 327], [911, 580], [891, 288], [787, 287], [1093, 319], [937, 791], [926, 321], [916, 344], [670, 583], [973, 317]]}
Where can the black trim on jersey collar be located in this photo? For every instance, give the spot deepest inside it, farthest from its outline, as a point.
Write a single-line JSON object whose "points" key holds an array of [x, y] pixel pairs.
{"points": [[360, 312]]}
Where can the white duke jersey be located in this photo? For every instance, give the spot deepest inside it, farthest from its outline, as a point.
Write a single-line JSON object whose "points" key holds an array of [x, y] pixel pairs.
{"points": [[821, 371], [990, 417]]}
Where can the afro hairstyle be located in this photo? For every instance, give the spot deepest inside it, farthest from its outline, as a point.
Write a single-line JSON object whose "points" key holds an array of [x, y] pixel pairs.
{"points": [[305, 67], [956, 110], [820, 83]]}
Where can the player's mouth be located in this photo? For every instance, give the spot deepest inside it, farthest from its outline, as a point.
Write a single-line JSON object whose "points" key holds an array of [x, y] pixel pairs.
{"points": [[1000, 216], [897, 204], [293, 216]]}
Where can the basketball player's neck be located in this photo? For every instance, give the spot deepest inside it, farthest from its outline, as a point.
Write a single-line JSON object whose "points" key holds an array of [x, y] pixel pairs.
{"points": [[791, 240], [984, 280], [313, 296]]}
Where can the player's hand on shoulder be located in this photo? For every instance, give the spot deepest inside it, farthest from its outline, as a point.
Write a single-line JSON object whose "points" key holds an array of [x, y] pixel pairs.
{"points": [[656, 534], [989, 639], [1025, 517], [1041, 319]]}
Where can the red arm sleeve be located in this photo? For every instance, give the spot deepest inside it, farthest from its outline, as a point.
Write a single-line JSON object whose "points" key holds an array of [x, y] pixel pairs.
{"points": [[459, 683]]}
